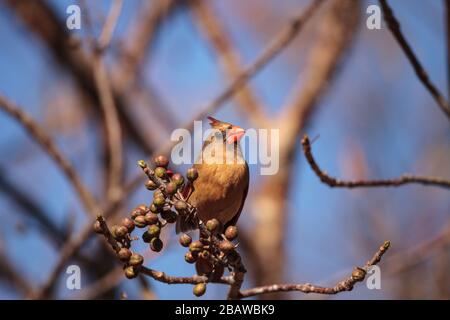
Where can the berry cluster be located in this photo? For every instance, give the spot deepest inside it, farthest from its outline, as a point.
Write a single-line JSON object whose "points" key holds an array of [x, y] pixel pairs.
{"points": [[212, 252]]}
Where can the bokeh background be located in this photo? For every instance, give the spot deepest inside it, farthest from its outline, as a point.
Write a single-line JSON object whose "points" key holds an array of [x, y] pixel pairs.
{"points": [[374, 120]]}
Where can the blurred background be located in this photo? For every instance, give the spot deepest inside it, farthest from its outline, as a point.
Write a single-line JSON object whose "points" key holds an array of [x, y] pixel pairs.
{"points": [[351, 87]]}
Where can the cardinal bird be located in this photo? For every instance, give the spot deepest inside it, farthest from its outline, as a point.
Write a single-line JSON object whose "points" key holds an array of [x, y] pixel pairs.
{"points": [[223, 178]]}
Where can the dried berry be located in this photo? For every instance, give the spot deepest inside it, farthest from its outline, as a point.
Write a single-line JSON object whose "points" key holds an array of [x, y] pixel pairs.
{"points": [[98, 227], [196, 247], [120, 232], [128, 223], [130, 272], [157, 193], [159, 201], [151, 218], [161, 161], [150, 185], [189, 257], [156, 244], [199, 289], [178, 179], [192, 174], [140, 210], [226, 246], [140, 222], [231, 233], [136, 259], [160, 172], [153, 208], [171, 188], [124, 254], [146, 237], [154, 231], [185, 240], [213, 225], [180, 205]]}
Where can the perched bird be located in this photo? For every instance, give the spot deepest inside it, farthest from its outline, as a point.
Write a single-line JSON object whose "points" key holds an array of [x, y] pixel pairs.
{"points": [[223, 178]]}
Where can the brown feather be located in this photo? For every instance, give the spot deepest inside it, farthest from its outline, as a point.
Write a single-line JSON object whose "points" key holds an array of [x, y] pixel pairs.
{"points": [[221, 188]]}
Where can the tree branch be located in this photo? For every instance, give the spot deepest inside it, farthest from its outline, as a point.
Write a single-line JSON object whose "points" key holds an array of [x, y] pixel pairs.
{"points": [[113, 132], [347, 284], [41, 137], [333, 182], [215, 33], [394, 26]]}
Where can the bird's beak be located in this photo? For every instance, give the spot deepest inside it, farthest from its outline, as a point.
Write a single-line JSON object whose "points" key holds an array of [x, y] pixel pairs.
{"points": [[234, 134]]}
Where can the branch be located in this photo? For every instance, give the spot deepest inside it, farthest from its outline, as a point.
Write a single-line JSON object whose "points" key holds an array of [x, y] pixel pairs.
{"points": [[347, 284], [394, 26], [41, 137], [155, 274], [333, 182], [278, 43], [215, 33], [42, 21], [110, 113]]}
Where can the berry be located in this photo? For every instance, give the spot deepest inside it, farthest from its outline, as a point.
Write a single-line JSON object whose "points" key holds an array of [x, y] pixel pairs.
{"points": [[130, 272], [151, 218], [185, 240], [161, 161], [192, 174], [199, 289], [189, 257], [156, 244], [154, 231], [213, 225], [136, 260], [178, 179], [231, 233], [226, 246], [128, 223], [124, 254], [150, 185], [196, 247], [171, 188], [140, 222], [160, 172]]}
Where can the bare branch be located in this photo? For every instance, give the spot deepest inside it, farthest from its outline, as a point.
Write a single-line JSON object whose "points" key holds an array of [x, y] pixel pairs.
{"points": [[347, 284], [278, 43], [40, 136], [394, 26], [110, 24], [333, 182], [113, 131], [215, 33]]}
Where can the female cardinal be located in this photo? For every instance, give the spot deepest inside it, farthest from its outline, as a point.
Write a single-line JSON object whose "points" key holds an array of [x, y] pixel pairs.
{"points": [[223, 178]]}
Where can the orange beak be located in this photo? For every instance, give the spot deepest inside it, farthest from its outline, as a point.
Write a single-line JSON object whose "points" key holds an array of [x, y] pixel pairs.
{"points": [[234, 134]]}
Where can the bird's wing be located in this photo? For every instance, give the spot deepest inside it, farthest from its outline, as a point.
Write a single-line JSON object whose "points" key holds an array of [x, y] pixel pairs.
{"points": [[234, 220]]}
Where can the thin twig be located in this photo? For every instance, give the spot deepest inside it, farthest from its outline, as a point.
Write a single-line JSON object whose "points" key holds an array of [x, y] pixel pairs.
{"points": [[209, 24], [41, 137], [110, 24], [347, 284], [333, 182], [394, 26], [278, 43], [113, 132]]}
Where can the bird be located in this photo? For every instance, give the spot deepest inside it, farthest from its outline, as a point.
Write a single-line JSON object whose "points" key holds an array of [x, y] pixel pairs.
{"points": [[223, 178]]}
